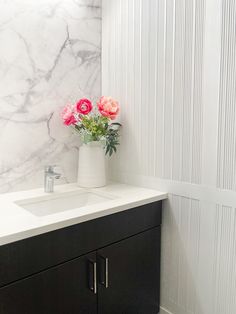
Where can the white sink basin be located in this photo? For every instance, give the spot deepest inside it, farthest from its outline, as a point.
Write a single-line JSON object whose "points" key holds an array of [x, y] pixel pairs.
{"points": [[56, 203]]}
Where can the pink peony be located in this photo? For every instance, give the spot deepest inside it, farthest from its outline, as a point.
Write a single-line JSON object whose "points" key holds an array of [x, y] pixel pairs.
{"points": [[84, 106], [68, 115], [108, 107]]}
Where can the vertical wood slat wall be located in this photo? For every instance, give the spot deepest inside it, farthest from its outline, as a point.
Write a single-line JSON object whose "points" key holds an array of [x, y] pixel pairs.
{"points": [[171, 64]]}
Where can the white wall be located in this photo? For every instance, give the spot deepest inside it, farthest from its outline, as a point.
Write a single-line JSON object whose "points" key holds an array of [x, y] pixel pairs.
{"points": [[172, 66], [49, 56]]}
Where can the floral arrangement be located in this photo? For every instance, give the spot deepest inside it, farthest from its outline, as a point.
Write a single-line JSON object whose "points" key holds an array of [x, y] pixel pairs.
{"points": [[93, 123]]}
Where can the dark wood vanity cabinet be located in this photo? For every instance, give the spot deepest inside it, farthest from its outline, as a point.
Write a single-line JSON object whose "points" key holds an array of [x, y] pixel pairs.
{"points": [[109, 265], [60, 289], [133, 275]]}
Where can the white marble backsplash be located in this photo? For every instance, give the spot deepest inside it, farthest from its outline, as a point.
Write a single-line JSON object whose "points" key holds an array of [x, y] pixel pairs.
{"points": [[50, 54]]}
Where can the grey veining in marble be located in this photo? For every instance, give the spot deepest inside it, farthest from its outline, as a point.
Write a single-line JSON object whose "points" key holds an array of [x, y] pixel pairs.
{"points": [[50, 53]]}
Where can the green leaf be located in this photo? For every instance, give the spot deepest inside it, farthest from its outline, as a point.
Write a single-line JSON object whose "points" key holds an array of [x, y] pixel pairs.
{"points": [[107, 150], [116, 123]]}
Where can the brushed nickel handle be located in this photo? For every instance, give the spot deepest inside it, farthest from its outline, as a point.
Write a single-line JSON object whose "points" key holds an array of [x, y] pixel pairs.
{"points": [[104, 274], [93, 276]]}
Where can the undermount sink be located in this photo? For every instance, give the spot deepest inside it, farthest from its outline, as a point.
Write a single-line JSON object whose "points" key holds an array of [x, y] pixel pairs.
{"points": [[56, 203]]}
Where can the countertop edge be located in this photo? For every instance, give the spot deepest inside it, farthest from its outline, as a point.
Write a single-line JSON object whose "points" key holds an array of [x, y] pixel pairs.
{"points": [[35, 231]]}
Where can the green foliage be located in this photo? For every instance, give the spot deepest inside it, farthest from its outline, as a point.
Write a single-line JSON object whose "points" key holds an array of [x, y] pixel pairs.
{"points": [[112, 138], [97, 128]]}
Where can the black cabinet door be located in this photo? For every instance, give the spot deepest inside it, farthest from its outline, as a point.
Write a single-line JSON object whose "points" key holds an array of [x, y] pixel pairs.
{"points": [[129, 275], [64, 289]]}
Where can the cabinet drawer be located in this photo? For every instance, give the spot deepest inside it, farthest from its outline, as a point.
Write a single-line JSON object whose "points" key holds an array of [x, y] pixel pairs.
{"points": [[26, 257]]}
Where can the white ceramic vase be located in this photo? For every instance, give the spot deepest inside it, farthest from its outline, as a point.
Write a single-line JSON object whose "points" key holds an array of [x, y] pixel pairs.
{"points": [[92, 168]]}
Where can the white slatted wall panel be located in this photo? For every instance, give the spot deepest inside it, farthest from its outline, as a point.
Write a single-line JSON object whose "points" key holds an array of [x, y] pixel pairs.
{"points": [[181, 232], [227, 116], [225, 256], [172, 66], [152, 62]]}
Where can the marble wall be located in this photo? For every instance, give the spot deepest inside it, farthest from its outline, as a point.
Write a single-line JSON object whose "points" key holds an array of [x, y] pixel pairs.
{"points": [[49, 55]]}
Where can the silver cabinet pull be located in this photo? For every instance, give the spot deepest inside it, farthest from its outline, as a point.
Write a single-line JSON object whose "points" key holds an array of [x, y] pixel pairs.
{"points": [[104, 273], [93, 276]]}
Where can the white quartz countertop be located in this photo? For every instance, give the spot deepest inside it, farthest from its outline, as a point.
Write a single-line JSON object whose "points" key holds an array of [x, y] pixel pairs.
{"points": [[16, 223]]}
